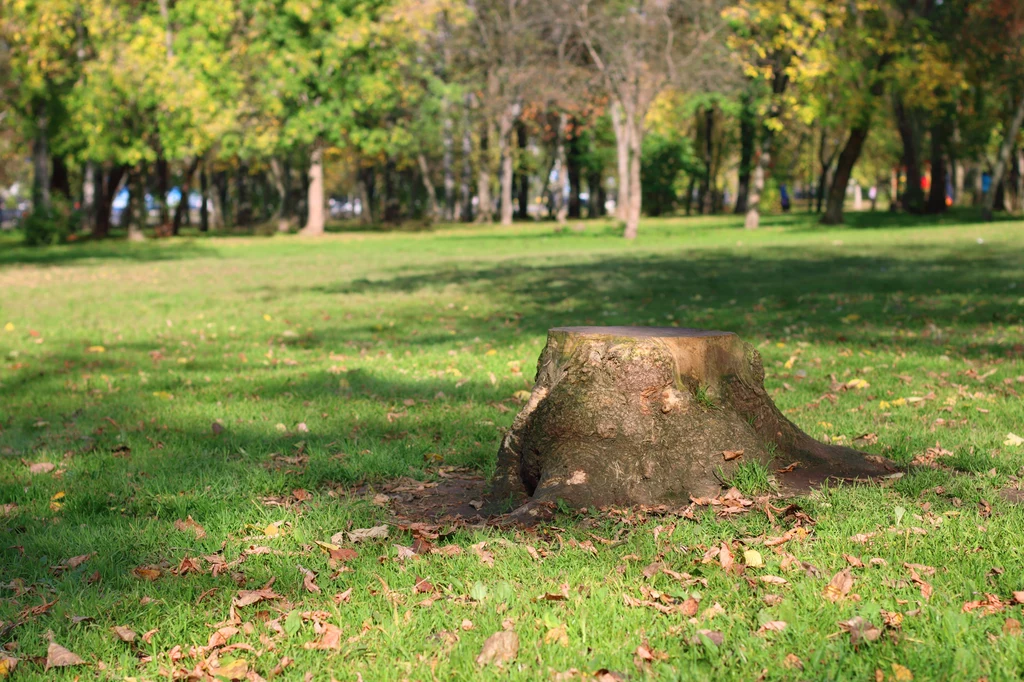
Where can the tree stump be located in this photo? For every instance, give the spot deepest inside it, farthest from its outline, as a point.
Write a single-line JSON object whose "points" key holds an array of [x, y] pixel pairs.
{"points": [[638, 415]]}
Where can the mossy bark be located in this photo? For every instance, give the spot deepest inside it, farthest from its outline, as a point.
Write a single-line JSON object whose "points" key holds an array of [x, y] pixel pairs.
{"points": [[636, 415]]}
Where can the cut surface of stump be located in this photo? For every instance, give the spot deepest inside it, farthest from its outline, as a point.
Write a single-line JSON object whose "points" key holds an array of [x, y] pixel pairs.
{"points": [[647, 415]]}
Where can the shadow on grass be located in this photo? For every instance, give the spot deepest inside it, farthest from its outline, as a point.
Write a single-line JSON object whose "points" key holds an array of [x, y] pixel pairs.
{"points": [[109, 250]]}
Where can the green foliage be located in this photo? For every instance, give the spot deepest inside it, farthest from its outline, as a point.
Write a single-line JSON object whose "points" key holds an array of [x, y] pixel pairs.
{"points": [[46, 228], [752, 478], [662, 164]]}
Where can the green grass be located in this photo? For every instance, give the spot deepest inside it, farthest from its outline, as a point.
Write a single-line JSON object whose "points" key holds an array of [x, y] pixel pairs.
{"points": [[402, 351]]}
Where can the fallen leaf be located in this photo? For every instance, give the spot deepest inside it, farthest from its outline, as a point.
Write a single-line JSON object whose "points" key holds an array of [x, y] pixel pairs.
{"points": [[773, 580], [221, 636], [124, 633], [41, 468], [217, 428], [230, 669], [190, 525], [1013, 439], [853, 561], [860, 629], [752, 558], [363, 534], [901, 673], [486, 558], [7, 665], [309, 580], [726, 560], [792, 661], [59, 657], [501, 647], [147, 573], [730, 455], [839, 586], [705, 636], [330, 638], [1011, 627], [772, 626], [557, 635], [248, 597]]}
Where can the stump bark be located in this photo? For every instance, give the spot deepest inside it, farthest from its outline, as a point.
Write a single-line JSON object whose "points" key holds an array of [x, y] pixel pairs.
{"points": [[638, 415]]}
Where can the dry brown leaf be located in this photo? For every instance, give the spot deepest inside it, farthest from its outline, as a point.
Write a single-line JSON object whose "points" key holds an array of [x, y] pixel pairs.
{"points": [[41, 468], [189, 524], [772, 626], [730, 455], [725, 559], [773, 580], [500, 648], [485, 557], [343, 597], [422, 586], [221, 636], [343, 554], [249, 597], [853, 561], [362, 534], [59, 657], [147, 573], [557, 635], [926, 588], [792, 661], [330, 637], [860, 629], [309, 580], [715, 637], [839, 586], [233, 669], [124, 633]]}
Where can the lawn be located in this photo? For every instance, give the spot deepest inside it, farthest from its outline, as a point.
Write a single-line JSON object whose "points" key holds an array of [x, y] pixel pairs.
{"points": [[184, 421]]}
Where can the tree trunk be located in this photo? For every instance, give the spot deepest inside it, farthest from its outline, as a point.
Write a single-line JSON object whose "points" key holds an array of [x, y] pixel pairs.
{"points": [[558, 191], [645, 416], [88, 194], [204, 208], [428, 185], [41, 161], [574, 172], [635, 125], [858, 197], [136, 211], [163, 182], [524, 178], [466, 181], [315, 218], [108, 187], [484, 209], [689, 194], [748, 134], [1003, 159], [841, 179], [505, 126], [182, 209], [367, 194], [937, 192], [448, 162], [708, 184], [595, 204], [622, 162], [913, 194], [277, 172], [60, 179], [753, 218]]}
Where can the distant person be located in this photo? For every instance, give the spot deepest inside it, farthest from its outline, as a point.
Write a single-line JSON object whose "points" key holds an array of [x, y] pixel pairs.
{"points": [[785, 198]]}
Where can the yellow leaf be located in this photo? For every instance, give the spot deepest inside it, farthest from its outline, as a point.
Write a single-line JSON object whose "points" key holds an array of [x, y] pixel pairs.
{"points": [[1013, 439], [7, 663], [57, 496], [9, 327], [857, 383], [272, 531], [266, 317], [901, 673], [752, 558], [790, 362], [521, 395], [96, 349], [884, 404], [491, 352], [899, 402], [163, 395]]}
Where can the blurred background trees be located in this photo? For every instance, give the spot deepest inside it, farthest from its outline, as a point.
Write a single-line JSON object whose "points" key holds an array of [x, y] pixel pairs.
{"points": [[153, 118]]}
